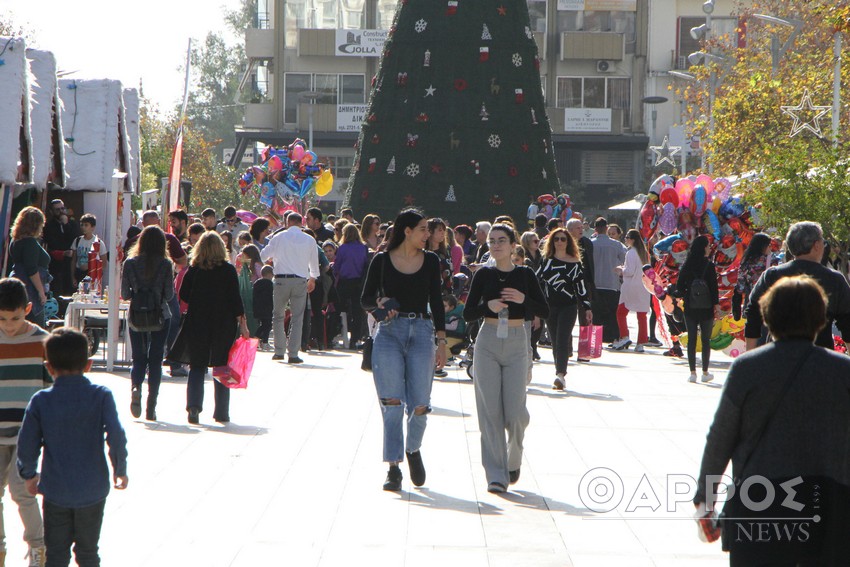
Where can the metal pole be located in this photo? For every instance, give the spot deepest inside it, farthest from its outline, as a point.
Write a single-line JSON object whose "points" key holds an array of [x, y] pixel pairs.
{"points": [[836, 90], [710, 96], [310, 134]]}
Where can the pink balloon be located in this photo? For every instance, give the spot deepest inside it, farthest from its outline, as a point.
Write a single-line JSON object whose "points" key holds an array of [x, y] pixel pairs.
{"points": [[247, 216], [707, 182], [297, 153], [684, 187]]}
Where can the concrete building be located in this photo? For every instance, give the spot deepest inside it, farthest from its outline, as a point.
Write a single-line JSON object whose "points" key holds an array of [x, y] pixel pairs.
{"points": [[317, 57]]}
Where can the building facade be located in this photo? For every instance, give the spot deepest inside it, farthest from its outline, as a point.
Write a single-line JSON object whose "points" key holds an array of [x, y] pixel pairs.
{"points": [[311, 63]]}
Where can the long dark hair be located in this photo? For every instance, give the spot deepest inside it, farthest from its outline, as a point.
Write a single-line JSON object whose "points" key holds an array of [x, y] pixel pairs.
{"points": [[151, 246], [637, 243], [696, 255], [442, 249], [408, 218], [756, 247], [572, 246]]}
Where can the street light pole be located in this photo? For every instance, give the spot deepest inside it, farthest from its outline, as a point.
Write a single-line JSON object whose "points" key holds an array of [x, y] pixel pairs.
{"points": [[836, 89]]}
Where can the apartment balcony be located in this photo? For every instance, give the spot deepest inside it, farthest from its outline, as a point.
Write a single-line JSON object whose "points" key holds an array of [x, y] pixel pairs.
{"points": [[593, 45], [259, 44], [259, 116], [324, 117]]}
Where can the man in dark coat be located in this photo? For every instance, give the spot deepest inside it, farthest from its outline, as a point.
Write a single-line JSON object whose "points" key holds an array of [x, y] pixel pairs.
{"points": [[60, 231]]}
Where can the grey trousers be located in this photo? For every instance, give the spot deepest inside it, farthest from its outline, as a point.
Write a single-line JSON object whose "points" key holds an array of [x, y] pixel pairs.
{"points": [[500, 367], [27, 503], [292, 291]]}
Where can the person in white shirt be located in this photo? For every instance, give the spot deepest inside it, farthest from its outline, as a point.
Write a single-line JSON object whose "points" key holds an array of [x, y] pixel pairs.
{"points": [[295, 258]]}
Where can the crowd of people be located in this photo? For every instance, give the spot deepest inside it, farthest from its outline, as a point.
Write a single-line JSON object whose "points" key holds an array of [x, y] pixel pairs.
{"points": [[412, 293]]}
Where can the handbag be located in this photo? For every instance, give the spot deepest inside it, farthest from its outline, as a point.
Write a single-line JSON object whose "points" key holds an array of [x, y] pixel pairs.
{"points": [[733, 505], [590, 341], [369, 343]]}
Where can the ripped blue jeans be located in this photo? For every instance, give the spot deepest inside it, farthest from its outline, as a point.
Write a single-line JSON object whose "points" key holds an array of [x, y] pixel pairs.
{"points": [[403, 369]]}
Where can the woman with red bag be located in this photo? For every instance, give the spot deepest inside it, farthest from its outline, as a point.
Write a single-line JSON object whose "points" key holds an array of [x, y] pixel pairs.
{"points": [[215, 314], [564, 285]]}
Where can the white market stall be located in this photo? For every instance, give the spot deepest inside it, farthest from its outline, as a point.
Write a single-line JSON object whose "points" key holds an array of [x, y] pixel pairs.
{"points": [[99, 163], [48, 148]]}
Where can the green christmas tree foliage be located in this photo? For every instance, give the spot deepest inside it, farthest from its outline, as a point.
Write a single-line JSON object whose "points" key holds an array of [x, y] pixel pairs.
{"points": [[456, 123]]}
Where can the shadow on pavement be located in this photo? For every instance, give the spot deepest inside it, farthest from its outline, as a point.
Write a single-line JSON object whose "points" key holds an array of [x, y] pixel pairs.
{"points": [[528, 499], [236, 429], [166, 427], [431, 499], [330, 353], [447, 412], [574, 394], [595, 362]]}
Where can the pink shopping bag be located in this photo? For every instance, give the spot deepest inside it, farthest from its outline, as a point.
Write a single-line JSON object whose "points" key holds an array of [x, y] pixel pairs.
{"points": [[590, 341], [240, 363]]}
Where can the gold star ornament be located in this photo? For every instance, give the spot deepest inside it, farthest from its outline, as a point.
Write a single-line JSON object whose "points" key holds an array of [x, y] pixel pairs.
{"points": [[806, 108]]}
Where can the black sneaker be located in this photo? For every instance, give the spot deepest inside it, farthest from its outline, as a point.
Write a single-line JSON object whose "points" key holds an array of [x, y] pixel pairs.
{"points": [[293, 360], [417, 468], [150, 414], [496, 488], [194, 416], [440, 373], [393, 482], [277, 357], [653, 342], [136, 402], [513, 476]]}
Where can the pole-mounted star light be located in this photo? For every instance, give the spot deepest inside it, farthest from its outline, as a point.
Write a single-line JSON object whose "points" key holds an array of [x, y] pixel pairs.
{"points": [[813, 123], [665, 153]]}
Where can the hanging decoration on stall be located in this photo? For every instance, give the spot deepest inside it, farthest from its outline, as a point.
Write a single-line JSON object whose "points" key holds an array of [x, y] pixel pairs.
{"points": [[815, 113], [286, 176]]}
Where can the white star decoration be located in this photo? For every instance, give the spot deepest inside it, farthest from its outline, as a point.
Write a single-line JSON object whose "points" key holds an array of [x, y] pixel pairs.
{"points": [[813, 124], [665, 152], [430, 90]]}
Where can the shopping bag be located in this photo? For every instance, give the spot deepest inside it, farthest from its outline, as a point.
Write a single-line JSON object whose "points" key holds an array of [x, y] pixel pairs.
{"points": [[240, 363], [590, 341]]}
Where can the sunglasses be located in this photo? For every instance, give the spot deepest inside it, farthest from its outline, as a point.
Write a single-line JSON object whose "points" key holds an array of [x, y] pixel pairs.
{"points": [[559, 239]]}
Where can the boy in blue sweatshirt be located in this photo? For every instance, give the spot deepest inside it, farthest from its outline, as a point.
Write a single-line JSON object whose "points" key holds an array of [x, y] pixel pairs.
{"points": [[69, 420]]}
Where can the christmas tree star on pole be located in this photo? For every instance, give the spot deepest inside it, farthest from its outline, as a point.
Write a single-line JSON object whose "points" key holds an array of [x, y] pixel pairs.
{"points": [[813, 123], [665, 153]]}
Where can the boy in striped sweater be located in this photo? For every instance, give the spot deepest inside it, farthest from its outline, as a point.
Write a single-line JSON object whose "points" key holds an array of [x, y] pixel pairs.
{"points": [[22, 374]]}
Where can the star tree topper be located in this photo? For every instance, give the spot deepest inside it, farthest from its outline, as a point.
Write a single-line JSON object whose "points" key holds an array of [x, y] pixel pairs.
{"points": [[816, 113], [665, 152]]}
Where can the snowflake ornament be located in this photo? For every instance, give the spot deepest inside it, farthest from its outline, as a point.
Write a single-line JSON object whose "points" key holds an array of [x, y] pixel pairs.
{"points": [[516, 59], [494, 140], [420, 25], [412, 170], [528, 33]]}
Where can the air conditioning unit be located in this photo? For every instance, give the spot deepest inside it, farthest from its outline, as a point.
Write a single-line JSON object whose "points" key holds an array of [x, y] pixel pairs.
{"points": [[604, 66]]}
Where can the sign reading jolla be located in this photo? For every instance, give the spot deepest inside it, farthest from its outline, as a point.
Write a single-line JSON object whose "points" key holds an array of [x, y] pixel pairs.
{"points": [[360, 43]]}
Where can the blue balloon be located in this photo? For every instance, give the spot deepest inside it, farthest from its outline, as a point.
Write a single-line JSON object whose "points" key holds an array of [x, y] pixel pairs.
{"points": [[713, 223], [306, 185], [666, 244], [293, 185]]}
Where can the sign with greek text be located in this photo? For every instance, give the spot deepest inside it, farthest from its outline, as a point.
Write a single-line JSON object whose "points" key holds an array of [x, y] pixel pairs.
{"points": [[587, 119], [349, 117]]}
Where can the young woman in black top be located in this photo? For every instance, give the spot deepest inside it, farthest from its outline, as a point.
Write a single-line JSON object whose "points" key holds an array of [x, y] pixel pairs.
{"points": [[698, 266], [564, 283], [501, 355], [412, 332]]}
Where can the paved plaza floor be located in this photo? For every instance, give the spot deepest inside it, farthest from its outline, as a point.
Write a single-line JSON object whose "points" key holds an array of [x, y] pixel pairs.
{"points": [[295, 479]]}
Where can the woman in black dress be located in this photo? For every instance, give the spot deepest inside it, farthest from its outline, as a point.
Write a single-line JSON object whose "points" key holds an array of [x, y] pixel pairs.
{"points": [[215, 315]]}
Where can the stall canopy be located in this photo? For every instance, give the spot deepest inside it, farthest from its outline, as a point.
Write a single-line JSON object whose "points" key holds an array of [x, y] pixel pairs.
{"points": [[48, 149], [15, 130], [131, 113]]}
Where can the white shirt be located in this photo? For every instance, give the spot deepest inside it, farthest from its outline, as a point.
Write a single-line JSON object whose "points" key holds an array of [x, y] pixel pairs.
{"points": [[293, 252]]}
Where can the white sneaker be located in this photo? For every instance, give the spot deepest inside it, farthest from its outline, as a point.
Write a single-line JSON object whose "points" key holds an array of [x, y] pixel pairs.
{"points": [[621, 344], [707, 376], [639, 348], [37, 556], [692, 378]]}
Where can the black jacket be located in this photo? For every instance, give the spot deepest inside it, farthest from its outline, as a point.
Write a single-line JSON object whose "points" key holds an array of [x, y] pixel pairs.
{"points": [[263, 298]]}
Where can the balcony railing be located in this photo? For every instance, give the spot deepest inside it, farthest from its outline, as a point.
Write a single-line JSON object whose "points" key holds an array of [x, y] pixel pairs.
{"points": [[592, 45]]}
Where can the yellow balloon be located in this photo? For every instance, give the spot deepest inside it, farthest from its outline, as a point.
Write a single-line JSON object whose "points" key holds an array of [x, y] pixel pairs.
{"points": [[715, 204], [715, 330], [325, 183]]}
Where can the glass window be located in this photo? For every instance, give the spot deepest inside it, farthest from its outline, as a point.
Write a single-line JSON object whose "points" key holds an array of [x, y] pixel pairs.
{"points": [[262, 15], [624, 23], [352, 89], [295, 18], [353, 12], [326, 14], [620, 97], [569, 92], [294, 85], [326, 86], [537, 15], [594, 92], [386, 13]]}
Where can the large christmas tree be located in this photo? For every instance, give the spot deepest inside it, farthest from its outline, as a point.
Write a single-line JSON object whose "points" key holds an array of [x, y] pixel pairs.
{"points": [[456, 121]]}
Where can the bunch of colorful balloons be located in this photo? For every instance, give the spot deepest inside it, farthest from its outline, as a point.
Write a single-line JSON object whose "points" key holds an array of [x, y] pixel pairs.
{"points": [[676, 212], [285, 176], [556, 207]]}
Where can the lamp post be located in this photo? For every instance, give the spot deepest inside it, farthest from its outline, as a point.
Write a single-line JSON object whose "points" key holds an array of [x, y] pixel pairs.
{"points": [[713, 83], [836, 89], [310, 96], [684, 153], [777, 51]]}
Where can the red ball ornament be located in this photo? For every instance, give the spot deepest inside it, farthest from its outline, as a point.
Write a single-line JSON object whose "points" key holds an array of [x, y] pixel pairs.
{"points": [[365, 194], [513, 171], [376, 139], [460, 84]]}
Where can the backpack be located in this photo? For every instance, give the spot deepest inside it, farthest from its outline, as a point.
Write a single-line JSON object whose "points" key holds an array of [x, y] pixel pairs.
{"points": [[146, 307], [699, 296]]}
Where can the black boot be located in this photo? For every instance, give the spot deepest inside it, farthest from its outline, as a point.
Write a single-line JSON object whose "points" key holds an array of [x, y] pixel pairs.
{"points": [[417, 468], [150, 410], [393, 482], [136, 401]]}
